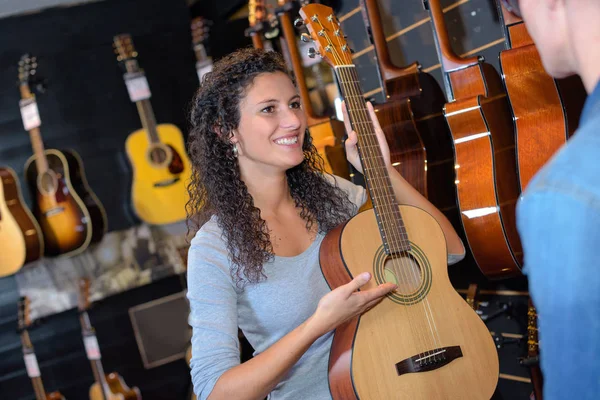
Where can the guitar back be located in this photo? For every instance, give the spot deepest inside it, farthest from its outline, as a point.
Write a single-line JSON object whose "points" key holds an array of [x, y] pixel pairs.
{"points": [[159, 191], [423, 314], [13, 250], [63, 217]]}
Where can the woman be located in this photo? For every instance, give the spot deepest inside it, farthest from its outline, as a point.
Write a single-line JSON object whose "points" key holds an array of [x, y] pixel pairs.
{"points": [[254, 264]]}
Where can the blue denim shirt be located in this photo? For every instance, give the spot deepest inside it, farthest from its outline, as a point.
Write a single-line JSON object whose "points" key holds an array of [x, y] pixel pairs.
{"points": [[558, 219]]}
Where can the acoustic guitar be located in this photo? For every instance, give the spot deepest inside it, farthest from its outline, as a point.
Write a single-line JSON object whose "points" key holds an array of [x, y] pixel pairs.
{"points": [[161, 167], [326, 133], [412, 119], [540, 118], [484, 149], [257, 15], [533, 353], [20, 235], [31, 364], [423, 341], [107, 386], [69, 213], [200, 27]]}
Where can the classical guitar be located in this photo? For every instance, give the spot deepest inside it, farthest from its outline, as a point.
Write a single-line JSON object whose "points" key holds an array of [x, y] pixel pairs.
{"points": [[69, 213], [326, 133], [257, 15], [20, 235], [31, 364], [423, 341], [157, 154], [200, 32], [540, 118], [484, 149], [107, 386]]}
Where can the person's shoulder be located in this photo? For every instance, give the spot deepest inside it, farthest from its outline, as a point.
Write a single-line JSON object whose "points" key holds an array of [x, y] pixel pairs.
{"points": [[356, 193], [208, 248]]}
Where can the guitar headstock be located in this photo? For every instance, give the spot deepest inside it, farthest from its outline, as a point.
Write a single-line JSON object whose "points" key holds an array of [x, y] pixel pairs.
{"points": [[23, 313], [257, 12], [27, 69], [84, 295], [124, 48], [326, 32], [200, 30]]}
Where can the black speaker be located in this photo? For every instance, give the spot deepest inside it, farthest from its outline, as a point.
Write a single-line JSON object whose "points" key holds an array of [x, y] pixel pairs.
{"points": [[161, 329]]}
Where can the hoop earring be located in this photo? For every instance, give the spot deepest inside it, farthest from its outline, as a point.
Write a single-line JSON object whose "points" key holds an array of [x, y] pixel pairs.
{"points": [[235, 150]]}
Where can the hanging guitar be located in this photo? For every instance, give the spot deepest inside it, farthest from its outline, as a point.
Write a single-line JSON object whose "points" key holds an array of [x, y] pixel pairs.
{"points": [[20, 235], [161, 167], [423, 341], [484, 149], [31, 364], [69, 213], [540, 118], [200, 32], [326, 133], [107, 386], [532, 361]]}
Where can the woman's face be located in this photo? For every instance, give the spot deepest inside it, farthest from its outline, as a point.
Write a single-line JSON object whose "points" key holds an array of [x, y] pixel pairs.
{"points": [[272, 125]]}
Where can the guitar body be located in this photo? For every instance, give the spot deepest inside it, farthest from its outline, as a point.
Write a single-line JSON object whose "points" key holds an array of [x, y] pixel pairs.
{"points": [[118, 389], [159, 192], [89, 198], [54, 396], [486, 176], [366, 350], [539, 117], [62, 215], [325, 134], [20, 237]]}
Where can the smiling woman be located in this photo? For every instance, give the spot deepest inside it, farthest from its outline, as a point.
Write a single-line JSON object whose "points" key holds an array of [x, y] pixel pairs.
{"points": [[259, 187]]}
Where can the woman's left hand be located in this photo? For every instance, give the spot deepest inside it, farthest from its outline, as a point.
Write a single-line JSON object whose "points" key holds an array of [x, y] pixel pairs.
{"points": [[352, 150]]}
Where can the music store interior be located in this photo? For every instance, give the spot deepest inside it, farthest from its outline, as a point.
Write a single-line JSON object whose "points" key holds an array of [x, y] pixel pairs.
{"points": [[94, 118]]}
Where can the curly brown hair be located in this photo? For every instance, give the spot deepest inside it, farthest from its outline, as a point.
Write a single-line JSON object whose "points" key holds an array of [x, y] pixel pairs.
{"points": [[216, 187]]}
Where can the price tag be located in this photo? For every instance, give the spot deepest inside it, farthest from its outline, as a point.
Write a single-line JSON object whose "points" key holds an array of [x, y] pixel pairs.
{"points": [[91, 347], [137, 86], [30, 114], [31, 364], [203, 68]]}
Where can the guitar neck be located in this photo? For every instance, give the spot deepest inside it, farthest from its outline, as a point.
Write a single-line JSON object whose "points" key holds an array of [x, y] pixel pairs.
{"points": [[35, 135], [450, 61], [36, 381], [392, 230], [372, 19], [148, 120], [96, 363], [290, 40]]}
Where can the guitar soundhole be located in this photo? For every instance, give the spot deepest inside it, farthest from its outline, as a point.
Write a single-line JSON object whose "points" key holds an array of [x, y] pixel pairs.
{"points": [[158, 155], [403, 270], [47, 182]]}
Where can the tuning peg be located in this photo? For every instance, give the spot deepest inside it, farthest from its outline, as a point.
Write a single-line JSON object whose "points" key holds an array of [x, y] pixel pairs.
{"points": [[298, 22], [312, 53], [305, 38]]}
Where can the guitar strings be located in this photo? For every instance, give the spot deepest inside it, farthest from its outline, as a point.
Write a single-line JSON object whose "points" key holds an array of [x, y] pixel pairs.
{"points": [[361, 110]]}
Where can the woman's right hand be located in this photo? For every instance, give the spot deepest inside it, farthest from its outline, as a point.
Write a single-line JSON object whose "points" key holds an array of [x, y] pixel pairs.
{"points": [[345, 303]]}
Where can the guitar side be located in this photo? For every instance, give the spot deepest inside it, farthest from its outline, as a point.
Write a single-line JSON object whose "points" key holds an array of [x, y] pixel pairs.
{"points": [[366, 350], [20, 235], [118, 389], [159, 192]]}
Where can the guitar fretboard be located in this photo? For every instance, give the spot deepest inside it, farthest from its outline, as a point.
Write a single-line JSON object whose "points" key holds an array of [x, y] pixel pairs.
{"points": [[391, 226]]}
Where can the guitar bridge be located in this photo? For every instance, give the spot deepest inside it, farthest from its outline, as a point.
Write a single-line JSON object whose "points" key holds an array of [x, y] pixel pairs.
{"points": [[428, 361]]}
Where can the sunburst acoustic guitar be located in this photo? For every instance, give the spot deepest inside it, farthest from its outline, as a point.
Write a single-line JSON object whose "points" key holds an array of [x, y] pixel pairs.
{"points": [[161, 167], [20, 235], [69, 213], [31, 364], [423, 341]]}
